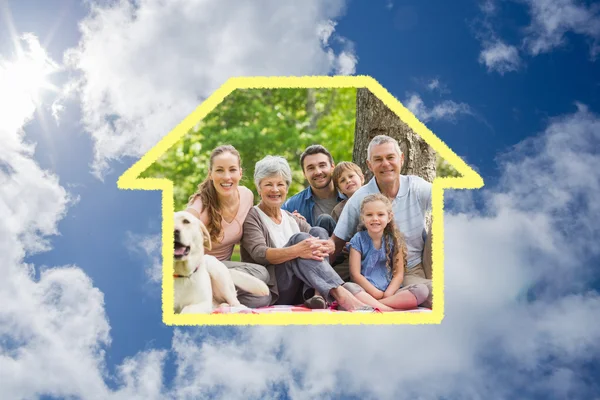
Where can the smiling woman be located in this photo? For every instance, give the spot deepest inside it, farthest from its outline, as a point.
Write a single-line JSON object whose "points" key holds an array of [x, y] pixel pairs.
{"points": [[222, 204]]}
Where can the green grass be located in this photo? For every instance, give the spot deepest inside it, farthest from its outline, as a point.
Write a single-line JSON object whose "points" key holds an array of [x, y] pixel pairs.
{"points": [[236, 253]]}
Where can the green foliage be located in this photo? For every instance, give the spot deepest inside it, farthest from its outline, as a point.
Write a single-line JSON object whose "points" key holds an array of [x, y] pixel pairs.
{"points": [[260, 122], [444, 169]]}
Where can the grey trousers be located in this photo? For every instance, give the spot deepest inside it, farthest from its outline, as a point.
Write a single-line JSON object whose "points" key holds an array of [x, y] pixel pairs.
{"points": [[326, 222], [296, 277], [257, 271], [416, 274]]}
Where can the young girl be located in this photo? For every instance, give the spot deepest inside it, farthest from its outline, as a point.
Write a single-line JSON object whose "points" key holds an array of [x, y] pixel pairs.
{"points": [[378, 257]]}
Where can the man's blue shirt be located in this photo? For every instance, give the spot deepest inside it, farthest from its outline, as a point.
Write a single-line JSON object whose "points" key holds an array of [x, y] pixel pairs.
{"points": [[304, 202]]}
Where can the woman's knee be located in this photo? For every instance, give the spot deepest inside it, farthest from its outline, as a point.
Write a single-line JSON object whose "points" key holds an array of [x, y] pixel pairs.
{"points": [[258, 271], [252, 301], [263, 275], [319, 232], [298, 237], [263, 301]]}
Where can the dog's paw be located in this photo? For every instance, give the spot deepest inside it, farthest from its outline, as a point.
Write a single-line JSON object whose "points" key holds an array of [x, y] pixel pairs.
{"points": [[232, 305], [196, 309]]}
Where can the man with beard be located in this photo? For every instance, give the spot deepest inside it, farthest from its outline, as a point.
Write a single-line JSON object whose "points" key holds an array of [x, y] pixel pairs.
{"points": [[316, 202]]}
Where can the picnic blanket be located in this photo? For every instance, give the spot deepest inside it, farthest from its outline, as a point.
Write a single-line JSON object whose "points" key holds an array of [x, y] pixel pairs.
{"points": [[296, 308]]}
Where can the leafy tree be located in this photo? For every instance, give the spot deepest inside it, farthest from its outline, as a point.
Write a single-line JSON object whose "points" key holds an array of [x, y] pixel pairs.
{"points": [[260, 122]]}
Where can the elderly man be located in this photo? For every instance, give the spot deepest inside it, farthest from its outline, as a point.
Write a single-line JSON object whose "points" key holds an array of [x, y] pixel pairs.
{"points": [[316, 202], [411, 199]]}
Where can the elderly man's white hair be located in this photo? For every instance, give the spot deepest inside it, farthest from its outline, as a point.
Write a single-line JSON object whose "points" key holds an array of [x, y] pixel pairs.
{"points": [[272, 166], [382, 139]]}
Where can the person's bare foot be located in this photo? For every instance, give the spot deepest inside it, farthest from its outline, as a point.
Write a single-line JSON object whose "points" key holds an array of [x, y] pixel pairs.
{"points": [[370, 301], [347, 301]]}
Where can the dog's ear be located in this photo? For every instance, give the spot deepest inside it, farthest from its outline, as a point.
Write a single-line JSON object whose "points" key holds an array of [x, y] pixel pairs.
{"points": [[206, 236]]}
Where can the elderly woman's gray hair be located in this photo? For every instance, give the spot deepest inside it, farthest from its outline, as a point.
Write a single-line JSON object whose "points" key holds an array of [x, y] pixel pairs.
{"points": [[272, 166]]}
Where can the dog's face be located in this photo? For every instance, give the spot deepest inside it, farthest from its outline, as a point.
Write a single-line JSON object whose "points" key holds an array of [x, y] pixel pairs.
{"points": [[190, 237]]}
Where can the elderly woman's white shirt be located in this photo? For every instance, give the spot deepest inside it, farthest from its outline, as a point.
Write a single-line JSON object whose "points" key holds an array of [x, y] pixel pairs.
{"points": [[282, 232]]}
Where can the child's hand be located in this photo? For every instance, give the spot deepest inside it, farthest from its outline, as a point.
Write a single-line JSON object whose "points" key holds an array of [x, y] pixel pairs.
{"points": [[297, 214], [379, 294]]}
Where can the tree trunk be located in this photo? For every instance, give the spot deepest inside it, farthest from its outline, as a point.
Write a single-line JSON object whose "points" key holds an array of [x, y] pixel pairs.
{"points": [[374, 118]]}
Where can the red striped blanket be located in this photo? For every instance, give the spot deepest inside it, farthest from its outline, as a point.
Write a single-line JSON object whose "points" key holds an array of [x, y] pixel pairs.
{"points": [[298, 308]]}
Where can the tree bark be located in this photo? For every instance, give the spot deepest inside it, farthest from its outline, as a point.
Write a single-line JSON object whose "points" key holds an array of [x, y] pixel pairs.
{"points": [[374, 118]]}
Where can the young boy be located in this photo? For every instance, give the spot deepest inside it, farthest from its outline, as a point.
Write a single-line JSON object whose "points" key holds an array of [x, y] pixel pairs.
{"points": [[347, 178]]}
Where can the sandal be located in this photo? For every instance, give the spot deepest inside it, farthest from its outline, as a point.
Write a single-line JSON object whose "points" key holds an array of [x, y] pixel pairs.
{"points": [[315, 303]]}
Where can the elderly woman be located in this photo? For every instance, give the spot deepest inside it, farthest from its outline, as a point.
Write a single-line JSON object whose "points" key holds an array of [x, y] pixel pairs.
{"points": [[295, 254]]}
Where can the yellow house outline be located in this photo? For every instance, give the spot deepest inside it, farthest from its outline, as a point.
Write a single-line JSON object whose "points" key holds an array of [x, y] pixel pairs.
{"points": [[469, 179]]}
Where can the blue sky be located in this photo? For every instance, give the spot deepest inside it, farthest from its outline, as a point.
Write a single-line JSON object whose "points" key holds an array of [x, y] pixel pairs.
{"points": [[511, 86]]}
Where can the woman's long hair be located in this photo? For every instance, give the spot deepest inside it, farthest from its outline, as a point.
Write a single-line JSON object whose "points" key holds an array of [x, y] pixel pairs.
{"points": [[390, 233], [210, 198]]}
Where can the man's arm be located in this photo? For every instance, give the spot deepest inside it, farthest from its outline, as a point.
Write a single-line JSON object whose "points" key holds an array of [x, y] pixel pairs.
{"points": [[338, 246], [345, 227]]}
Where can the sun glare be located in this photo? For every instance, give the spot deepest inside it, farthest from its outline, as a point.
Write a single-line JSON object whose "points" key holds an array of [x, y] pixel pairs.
{"points": [[25, 78], [29, 73]]}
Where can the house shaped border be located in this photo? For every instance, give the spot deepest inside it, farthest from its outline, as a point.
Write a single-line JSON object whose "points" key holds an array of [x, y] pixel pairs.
{"points": [[469, 179]]}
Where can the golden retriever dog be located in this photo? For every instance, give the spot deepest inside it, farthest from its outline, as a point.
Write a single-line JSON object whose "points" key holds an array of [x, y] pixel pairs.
{"points": [[203, 283]]}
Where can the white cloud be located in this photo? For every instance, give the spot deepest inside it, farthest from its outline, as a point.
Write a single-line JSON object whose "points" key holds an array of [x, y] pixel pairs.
{"points": [[496, 54], [56, 323], [488, 7], [325, 30], [551, 20], [346, 63], [500, 57], [445, 110], [143, 68], [149, 247], [433, 84], [53, 329]]}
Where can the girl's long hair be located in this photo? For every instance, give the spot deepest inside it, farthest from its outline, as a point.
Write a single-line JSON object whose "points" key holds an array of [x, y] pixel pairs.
{"points": [[390, 233], [209, 196]]}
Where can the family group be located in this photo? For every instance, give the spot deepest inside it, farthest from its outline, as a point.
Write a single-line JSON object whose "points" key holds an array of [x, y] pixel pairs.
{"points": [[339, 241]]}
